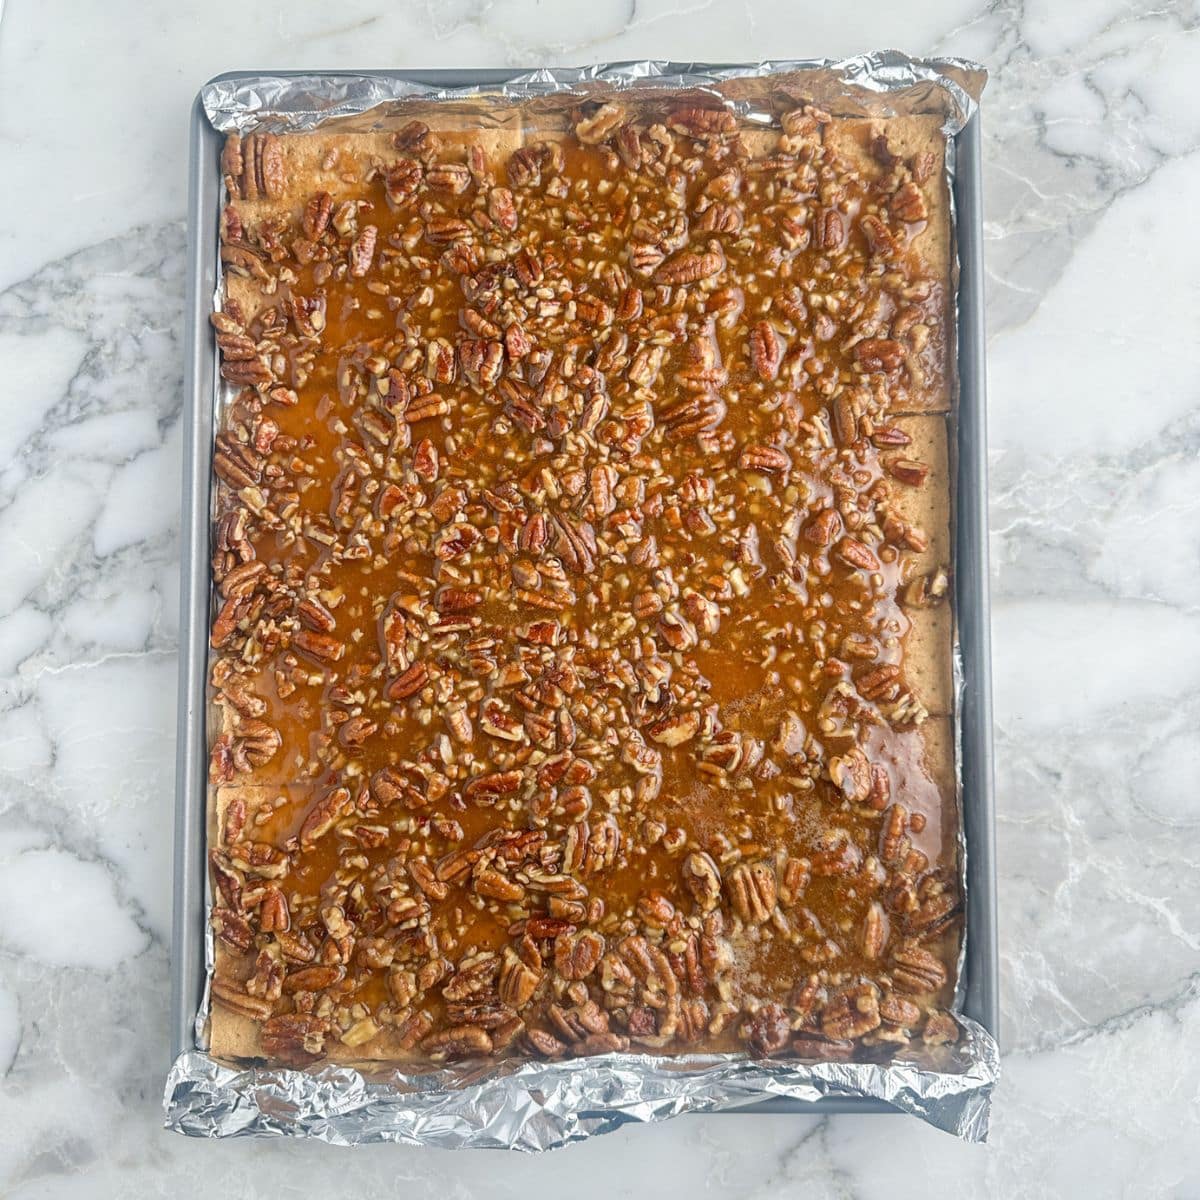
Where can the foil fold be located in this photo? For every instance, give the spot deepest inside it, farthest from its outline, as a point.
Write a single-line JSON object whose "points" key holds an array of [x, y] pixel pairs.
{"points": [[536, 1106], [882, 83]]}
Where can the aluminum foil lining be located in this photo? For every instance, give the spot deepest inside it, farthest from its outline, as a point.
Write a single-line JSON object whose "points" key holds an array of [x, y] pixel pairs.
{"points": [[534, 1106], [884, 83], [539, 1106]]}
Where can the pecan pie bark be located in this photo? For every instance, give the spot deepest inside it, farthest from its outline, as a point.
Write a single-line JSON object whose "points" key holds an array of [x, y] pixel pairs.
{"points": [[581, 644]]}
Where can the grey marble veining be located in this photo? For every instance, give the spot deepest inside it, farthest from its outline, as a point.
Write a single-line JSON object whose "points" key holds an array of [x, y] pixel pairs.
{"points": [[1092, 175]]}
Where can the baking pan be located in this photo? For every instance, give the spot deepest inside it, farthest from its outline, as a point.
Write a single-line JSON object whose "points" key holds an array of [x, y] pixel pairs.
{"points": [[980, 985]]}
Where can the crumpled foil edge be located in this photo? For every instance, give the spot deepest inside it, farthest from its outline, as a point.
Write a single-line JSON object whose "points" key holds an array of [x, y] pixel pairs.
{"points": [[536, 1106], [297, 102], [533, 1106]]}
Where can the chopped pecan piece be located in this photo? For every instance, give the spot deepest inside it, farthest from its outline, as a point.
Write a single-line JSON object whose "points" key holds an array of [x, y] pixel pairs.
{"points": [[879, 354], [676, 729], [703, 880], [597, 127]]}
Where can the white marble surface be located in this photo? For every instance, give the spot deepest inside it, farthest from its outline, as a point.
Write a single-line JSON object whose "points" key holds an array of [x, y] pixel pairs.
{"points": [[1093, 178]]}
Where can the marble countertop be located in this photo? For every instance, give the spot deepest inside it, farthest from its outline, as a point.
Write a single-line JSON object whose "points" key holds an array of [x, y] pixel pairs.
{"points": [[1092, 173]]}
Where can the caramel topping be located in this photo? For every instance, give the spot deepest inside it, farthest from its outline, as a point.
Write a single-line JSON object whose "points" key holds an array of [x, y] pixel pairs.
{"points": [[564, 592]]}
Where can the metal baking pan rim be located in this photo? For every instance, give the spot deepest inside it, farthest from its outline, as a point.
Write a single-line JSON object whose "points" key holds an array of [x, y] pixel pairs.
{"points": [[981, 993]]}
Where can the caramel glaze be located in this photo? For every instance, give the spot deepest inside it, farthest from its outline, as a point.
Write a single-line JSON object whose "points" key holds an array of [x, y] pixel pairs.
{"points": [[704, 594]]}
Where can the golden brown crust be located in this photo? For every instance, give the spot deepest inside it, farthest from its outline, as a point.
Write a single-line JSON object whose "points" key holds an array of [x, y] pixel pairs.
{"points": [[927, 649], [914, 138]]}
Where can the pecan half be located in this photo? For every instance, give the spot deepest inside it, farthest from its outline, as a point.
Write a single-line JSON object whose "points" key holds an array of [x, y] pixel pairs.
{"points": [[690, 267], [766, 350], [753, 891]]}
